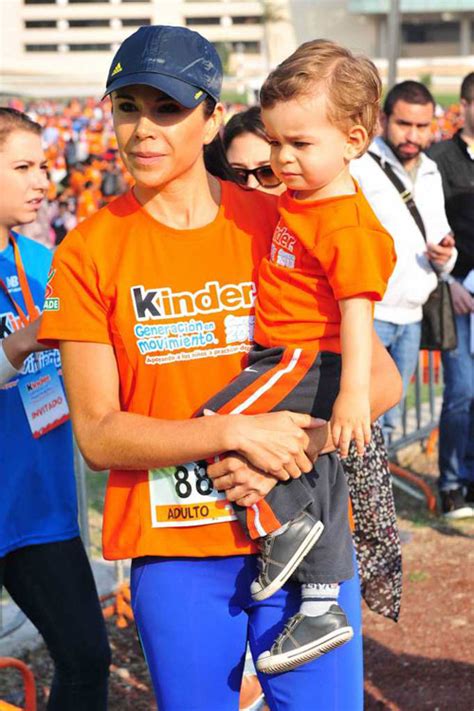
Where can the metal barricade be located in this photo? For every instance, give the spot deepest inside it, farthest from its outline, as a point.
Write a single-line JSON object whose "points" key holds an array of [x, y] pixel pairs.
{"points": [[422, 405], [18, 619], [420, 417]]}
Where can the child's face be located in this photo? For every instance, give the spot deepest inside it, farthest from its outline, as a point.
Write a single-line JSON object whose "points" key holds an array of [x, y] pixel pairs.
{"points": [[308, 153]]}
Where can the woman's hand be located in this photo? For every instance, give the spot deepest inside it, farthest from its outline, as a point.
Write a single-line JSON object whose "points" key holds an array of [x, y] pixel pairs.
{"points": [[275, 442], [243, 483], [18, 345], [320, 440]]}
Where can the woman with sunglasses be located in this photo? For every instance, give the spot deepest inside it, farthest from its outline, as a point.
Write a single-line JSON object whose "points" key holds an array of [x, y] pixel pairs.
{"points": [[248, 152]]}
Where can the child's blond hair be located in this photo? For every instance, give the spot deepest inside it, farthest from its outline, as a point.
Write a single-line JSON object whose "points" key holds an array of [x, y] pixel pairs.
{"points": [[351, 83]]}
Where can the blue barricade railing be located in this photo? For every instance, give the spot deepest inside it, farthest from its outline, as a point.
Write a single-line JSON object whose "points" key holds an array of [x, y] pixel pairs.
{"points": [[422, 405]]}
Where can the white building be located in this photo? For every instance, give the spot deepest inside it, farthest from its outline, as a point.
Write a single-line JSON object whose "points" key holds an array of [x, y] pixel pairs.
{"points": [[436, 36], [64, 47]]}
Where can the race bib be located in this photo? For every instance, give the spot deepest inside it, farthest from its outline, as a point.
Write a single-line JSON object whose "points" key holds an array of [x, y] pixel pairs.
{"points": [[184, 496], [44, 400]]}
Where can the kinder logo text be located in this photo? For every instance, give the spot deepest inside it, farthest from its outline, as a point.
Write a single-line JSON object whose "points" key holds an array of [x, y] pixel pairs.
{"points": [[213, 298], [31, 387], [282, 237], [10, 322]]}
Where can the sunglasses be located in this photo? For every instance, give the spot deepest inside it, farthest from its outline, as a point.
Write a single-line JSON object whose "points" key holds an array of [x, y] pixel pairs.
{"points": [[264, 176]]}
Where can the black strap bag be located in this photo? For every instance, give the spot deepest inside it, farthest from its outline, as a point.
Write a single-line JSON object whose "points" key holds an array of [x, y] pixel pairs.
{"points": [[438, 326]]}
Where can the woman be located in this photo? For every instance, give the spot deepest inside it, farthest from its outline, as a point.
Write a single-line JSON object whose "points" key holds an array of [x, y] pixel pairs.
{"points": [[248, 152], [43, 564], [375, 532], [242, 155], [151, 300]]}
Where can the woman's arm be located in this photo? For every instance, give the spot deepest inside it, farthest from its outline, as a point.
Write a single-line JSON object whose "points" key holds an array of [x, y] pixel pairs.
{"points": [[386, 389], [110, 438]]}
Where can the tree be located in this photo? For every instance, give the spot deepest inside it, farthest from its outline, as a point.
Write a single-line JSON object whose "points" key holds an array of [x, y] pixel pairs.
{"points": [[224, 50]]}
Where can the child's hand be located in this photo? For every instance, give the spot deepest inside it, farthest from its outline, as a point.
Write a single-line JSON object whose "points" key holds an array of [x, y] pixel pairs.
{"points": [[351, 421]]}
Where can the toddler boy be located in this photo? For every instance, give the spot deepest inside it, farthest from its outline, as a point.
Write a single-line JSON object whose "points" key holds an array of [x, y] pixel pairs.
{"points": [[330, 261]]}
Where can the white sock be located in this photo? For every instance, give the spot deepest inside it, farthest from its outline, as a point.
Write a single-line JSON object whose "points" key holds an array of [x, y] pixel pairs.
{"points": [[317, 598]]}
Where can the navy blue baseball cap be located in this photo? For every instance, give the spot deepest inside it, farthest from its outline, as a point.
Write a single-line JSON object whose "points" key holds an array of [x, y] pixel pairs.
{"points": [[175, 60]]}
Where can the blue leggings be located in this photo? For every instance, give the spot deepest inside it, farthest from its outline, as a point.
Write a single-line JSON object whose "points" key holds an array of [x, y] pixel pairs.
{"points": [[194, 617]]}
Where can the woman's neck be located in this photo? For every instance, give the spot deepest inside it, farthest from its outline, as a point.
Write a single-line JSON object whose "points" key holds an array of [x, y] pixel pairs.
{"points": [[3, 237], [186, 203]]}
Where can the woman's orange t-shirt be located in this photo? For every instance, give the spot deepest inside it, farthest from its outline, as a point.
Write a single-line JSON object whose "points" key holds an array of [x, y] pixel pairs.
{"points": [[177, 307]]}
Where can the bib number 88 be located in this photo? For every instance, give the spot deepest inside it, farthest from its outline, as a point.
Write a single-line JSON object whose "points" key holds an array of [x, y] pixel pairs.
{"points": [[184, 482]]}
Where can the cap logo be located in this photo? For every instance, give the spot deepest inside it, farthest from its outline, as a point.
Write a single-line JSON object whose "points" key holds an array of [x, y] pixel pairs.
{"points": [[117, 69], [198, 95]]}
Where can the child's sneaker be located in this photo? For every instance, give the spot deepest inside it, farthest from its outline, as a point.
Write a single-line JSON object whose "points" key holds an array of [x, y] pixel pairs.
{"points": [[304, 639], [280, 555]]}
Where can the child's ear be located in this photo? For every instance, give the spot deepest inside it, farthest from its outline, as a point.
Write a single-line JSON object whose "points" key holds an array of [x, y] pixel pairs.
{"points": [[357, 141]]}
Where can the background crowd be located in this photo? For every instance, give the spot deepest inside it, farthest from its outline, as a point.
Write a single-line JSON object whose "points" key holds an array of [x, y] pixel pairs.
{"points": [[84, 165]]}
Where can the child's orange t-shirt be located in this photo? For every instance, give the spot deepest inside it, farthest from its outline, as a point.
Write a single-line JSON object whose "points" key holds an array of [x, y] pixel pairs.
{"points": [[177, 307], [322, 251]]}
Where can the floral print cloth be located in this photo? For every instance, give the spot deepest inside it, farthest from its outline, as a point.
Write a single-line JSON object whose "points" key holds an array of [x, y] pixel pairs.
{"points": [[376, 537]]}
